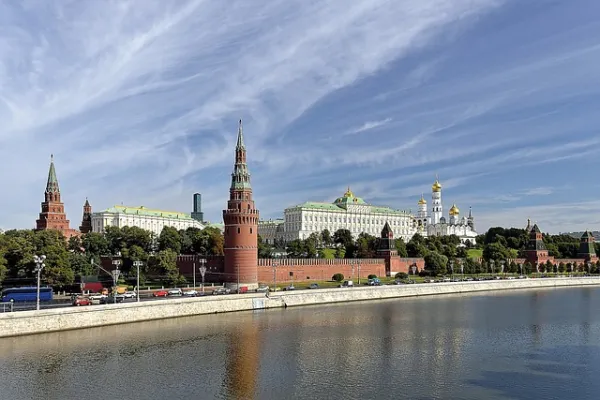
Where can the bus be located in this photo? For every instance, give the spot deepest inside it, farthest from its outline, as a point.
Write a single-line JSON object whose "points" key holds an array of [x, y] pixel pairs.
{"points": [[26, 294]]}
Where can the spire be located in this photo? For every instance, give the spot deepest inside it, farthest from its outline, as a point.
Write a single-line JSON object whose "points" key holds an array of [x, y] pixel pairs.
{"points": [[52, 184], [240, 138], [470, 212], [87, 203]]}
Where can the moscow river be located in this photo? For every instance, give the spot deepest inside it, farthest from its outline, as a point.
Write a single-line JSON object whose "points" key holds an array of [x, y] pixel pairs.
{"points": [[527, 344]]}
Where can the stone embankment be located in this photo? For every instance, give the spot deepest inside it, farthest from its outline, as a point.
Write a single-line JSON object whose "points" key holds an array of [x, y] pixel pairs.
{"points": [[59, 319]]}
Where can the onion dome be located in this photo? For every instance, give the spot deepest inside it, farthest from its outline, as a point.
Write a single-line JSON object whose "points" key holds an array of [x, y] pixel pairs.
{"points": [[422, 201], [454, 210], [437, 186]]}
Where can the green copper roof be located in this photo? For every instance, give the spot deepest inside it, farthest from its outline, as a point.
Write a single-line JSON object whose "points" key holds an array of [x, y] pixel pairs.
{"points": [[339, 208], [52, 184], [141, 210]]}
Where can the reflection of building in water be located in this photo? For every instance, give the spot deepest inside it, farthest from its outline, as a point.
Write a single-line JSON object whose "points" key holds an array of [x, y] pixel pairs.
{"points": [[243, 360]]}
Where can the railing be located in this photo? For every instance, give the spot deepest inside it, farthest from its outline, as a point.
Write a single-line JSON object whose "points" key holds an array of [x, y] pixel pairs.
{"points": [[7, 307]]}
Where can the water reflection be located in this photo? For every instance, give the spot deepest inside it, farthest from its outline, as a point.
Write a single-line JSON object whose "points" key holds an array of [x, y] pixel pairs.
{"points": [[508, 345]]}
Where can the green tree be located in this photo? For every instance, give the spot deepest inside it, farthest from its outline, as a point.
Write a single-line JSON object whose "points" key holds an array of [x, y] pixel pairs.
{"points": [[164, 265], [343, 237], [436, 263], [265, 250], [366, 246], [95, 244], [495, 251], [416, 246], [400, 247], [311, 245], [170, 239], [326, 238], [295, 248]]}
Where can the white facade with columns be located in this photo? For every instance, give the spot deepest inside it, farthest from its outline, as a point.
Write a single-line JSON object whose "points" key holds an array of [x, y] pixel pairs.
{"points": [[346, 212]]}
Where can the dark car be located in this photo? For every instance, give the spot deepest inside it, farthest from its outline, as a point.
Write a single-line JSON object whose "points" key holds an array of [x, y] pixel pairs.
{"points": [[313, 286], [221, 290], [111, 299]]}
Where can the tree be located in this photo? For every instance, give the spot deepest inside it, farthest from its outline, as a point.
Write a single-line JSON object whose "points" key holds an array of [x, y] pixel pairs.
{"points": [[495, 251], [311, 244], [337, 277], [366, 246], [295, 248], [400, 247], [562, 267], [170, 239], [95, 244], [416, 246], [326, 238], [164, 265], [343, 237], [436, 263], [401, 275], [265, 250]]}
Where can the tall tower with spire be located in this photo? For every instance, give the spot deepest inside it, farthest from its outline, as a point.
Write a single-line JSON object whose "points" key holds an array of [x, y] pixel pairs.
{"points": [[86, 221], [436, 202], [241, 224], [53, 210]]}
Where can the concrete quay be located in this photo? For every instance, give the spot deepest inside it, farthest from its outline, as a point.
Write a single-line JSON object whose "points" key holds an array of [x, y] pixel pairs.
{"points": [[60, 319]]}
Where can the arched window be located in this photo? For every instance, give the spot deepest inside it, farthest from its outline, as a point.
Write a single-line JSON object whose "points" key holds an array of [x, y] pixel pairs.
{"points": [[238, 230], [250, 230]]}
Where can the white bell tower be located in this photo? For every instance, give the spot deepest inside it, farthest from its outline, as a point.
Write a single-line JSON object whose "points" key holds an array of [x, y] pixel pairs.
{"points": [[436, 202]]}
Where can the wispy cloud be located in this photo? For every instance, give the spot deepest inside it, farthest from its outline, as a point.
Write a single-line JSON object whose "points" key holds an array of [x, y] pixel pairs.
{"points": [[369, 125]]}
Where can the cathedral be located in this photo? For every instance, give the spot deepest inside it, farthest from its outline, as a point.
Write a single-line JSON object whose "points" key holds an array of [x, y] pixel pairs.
{"points": [[432, 222]]}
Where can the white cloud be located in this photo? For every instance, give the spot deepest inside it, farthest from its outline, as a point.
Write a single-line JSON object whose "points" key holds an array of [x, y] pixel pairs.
{"points": [[369, 125]]}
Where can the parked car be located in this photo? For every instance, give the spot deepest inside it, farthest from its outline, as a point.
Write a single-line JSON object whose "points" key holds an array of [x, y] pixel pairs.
{"points": [[290, 287], [221, 290], [175, 292], [160, 293], [262, 289], [313, 286], [112, 299], [347, 284], [190, 293], [130, 295], [82, 301]]}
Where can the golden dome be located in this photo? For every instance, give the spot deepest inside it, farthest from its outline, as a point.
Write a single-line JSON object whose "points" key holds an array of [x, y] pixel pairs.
{"points": [[348, 193], [437, 186], [422, 201], [454, 210]]}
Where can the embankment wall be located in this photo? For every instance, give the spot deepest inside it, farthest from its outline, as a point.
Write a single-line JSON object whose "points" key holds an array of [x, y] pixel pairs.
{"points": [[59, 319]]}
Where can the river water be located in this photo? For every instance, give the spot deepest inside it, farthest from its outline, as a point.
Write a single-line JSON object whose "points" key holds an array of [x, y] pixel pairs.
{"points": [[542, 344]]}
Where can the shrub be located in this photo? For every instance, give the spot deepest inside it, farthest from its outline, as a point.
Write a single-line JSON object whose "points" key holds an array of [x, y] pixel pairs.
{"points": [[372, 276], [424, 273], [401, 275], [338, 277]]}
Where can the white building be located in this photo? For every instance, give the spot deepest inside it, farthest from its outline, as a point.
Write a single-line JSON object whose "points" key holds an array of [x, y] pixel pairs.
{"points": [[433, 223], [142, 217], [346, 212]]}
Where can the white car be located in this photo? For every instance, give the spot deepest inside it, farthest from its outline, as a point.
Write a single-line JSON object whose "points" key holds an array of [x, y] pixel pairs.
{"points": [[130, 295], [190, 293], [175, 292]]}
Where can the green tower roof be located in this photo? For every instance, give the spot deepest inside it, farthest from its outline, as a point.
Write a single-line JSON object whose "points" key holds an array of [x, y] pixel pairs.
{"points": [[52, 184]]}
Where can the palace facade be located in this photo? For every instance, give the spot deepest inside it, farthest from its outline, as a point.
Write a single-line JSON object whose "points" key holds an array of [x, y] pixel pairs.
{"points": [[347, 212]]}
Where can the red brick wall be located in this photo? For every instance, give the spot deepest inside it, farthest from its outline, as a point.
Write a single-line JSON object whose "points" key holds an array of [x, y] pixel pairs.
{"points": [[403, 264], [317, 269]]}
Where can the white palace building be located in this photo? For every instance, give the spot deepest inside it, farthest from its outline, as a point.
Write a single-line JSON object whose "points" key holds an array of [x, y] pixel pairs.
{"points": [[353, 213]]}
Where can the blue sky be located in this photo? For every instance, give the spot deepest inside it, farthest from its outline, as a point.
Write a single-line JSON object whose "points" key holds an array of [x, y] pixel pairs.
{"points": [[139, 102]]}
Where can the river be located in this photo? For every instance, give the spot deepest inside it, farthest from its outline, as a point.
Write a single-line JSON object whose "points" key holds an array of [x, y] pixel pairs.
{"points": [[527, 344]]}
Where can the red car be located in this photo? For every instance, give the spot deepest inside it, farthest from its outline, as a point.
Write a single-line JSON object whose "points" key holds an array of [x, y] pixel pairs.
{"points": [[161, 293], [82, 301]]}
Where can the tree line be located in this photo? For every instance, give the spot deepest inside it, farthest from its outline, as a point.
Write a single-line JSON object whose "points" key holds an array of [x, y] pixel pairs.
{"points": [[80, 255]]}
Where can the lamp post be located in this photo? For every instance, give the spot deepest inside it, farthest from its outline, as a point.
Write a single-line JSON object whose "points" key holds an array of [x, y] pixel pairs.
{"points": [[115, 275], [589, 265], [274, 275], [521, 268], [202, 272], [358, 273], [452, 269], [492, 262], [237, 267], [462, 270], [194, 274], [138, 264], [39, 266], [502, 267]]}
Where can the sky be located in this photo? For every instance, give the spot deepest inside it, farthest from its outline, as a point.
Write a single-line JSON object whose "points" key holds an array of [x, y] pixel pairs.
{"points": [[139, 102]]}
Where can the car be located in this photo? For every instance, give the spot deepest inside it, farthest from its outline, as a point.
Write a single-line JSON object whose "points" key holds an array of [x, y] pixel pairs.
{"points": [[175, 292], [347, 284], [313, 286], [262, 289], [290, 287], [130, 295], [160, 293], [190, 293], [82, 301], [97, 296], [112, 299], [221, 290]]}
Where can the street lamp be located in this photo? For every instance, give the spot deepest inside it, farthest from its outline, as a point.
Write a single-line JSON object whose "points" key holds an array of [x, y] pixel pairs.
{"points": [[521, 268], [492, 266], [274, 275], [452, 269], [39, 266], [502, 267], [462, 270], [115, 275], [589, 265], [202, 272], [358, 273], [138, 264]]}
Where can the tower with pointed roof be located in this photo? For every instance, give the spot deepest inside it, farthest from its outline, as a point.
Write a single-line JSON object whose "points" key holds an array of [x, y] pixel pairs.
{"points": [[53, 210], [536, 251], [587, 248], [86, 221], [241, 224], [436, 202], [386, 248]]}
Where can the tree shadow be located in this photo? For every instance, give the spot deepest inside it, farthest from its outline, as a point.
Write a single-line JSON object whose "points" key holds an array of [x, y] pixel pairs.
{"points": [[564, 372]]}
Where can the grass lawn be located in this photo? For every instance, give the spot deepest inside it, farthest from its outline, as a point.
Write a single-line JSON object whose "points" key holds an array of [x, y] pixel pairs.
{"points": [[475, 253]]}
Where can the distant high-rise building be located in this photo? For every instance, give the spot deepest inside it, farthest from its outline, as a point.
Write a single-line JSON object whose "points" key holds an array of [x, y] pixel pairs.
{"points": [[197, 214]]}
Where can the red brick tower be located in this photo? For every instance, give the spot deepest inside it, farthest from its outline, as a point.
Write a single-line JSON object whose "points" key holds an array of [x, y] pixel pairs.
{"points": [[387, 249], [241, 225], [86, 221], [53, 210]]}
